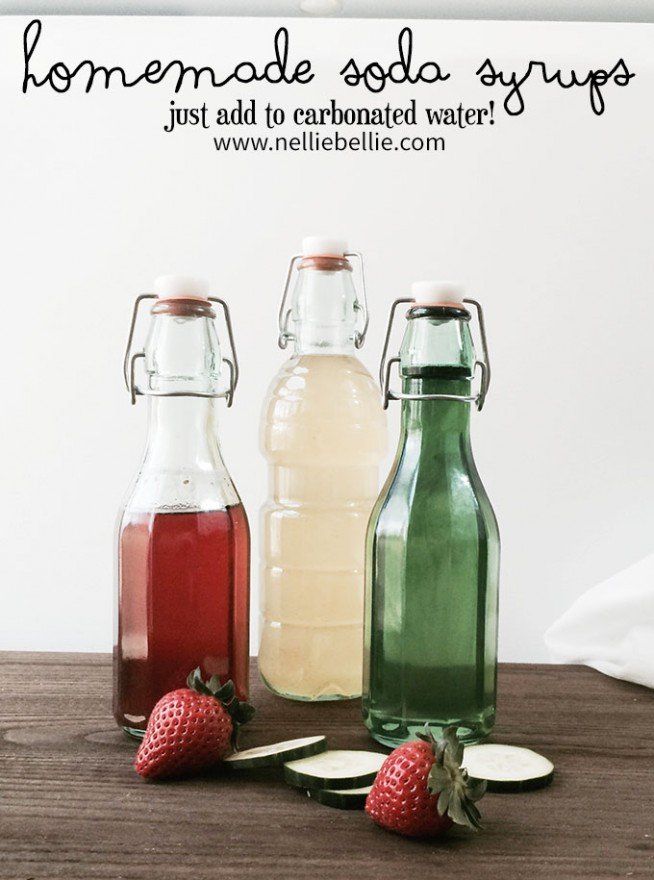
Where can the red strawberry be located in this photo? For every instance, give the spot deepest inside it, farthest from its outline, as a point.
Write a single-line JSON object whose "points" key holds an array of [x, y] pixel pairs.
{"points": [[421, 789], [190, 729]]}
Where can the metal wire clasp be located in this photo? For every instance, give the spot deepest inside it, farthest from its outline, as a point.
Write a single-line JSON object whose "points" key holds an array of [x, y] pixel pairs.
{"points": [[386, 366], [360, 306], [129, 361]]}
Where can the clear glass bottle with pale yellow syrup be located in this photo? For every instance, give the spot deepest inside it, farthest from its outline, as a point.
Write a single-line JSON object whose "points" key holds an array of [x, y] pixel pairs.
{"points": [[324, 435]]}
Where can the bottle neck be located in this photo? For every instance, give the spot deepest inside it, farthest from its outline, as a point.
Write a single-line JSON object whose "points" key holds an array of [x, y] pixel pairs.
{"points": [[324, 309], [182, 358], [182, 435], [441, 424], [437, 357], [182, 351], [311, 340]]}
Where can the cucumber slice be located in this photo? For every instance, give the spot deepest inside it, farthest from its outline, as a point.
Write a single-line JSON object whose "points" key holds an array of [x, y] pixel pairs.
{"points": [[335, 770], [507, 768], [345, 799], [277, 753]]}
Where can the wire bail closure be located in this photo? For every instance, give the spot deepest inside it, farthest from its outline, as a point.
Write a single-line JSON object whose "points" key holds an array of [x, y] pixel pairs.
{"points": [[129, 361], [285, 313], [386, 366]]}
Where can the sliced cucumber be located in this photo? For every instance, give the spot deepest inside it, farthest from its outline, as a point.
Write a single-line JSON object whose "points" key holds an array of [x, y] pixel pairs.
{"points": [[507, 768], [345, 799], [335, 770], [277, 753]]}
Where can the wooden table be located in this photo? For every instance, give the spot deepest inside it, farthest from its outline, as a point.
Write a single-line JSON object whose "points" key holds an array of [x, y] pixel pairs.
{"points": [[71, 806]]}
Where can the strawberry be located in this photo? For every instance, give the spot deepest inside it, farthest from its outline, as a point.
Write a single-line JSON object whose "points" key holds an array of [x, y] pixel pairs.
{"points": [[190, 729], [421, 789]]}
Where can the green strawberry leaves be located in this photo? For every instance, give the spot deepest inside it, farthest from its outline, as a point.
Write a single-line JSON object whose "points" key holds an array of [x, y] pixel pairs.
{"points": [[195, 683], [240, 712], [243, 713], [476, 788], [457, 793]]}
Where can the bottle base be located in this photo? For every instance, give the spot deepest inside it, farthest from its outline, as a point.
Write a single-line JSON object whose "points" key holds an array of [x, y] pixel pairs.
{"points": [[305, 698], [393, 732]]}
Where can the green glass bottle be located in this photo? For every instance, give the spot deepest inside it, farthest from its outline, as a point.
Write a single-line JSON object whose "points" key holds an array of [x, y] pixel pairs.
{"points": [[432, 560]]}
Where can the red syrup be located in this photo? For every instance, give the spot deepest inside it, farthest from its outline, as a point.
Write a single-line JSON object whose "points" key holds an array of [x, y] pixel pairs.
{"points": [[184, 602]]}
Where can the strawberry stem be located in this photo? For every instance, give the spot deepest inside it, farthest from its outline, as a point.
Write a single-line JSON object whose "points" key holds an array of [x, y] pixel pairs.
{"points": [[240, 712]]}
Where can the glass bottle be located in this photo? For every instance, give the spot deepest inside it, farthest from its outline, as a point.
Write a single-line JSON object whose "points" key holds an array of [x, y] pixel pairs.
{"points": [[432, 563], [183, 538], [323, 434]]}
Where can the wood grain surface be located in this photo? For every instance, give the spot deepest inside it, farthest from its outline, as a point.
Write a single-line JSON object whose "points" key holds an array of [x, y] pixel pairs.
{"points": [[72, 807]]}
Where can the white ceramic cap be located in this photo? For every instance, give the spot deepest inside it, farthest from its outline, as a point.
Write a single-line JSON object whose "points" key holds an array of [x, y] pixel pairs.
{"points": [[323, 246], [180, 287], [437, 293]]}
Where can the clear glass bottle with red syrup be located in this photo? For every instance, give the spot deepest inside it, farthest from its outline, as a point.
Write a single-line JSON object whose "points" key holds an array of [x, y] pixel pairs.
{"points": [[183, 536]]}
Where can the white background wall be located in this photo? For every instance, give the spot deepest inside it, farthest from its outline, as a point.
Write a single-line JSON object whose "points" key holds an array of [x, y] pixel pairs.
{"points": [[533, 10], [547, 217]]}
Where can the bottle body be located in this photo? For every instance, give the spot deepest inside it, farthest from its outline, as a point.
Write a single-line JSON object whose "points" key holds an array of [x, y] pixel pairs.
{"points": [[324, 435], [432, 573], [182, 603]]}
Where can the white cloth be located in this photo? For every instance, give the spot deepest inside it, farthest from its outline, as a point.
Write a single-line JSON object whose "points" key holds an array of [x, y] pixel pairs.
{"points": [[611, 626]]}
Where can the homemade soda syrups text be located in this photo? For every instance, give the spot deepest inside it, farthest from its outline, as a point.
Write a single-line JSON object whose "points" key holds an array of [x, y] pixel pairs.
{"points": [[183, 539], [432, 558], [323, 434]]}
